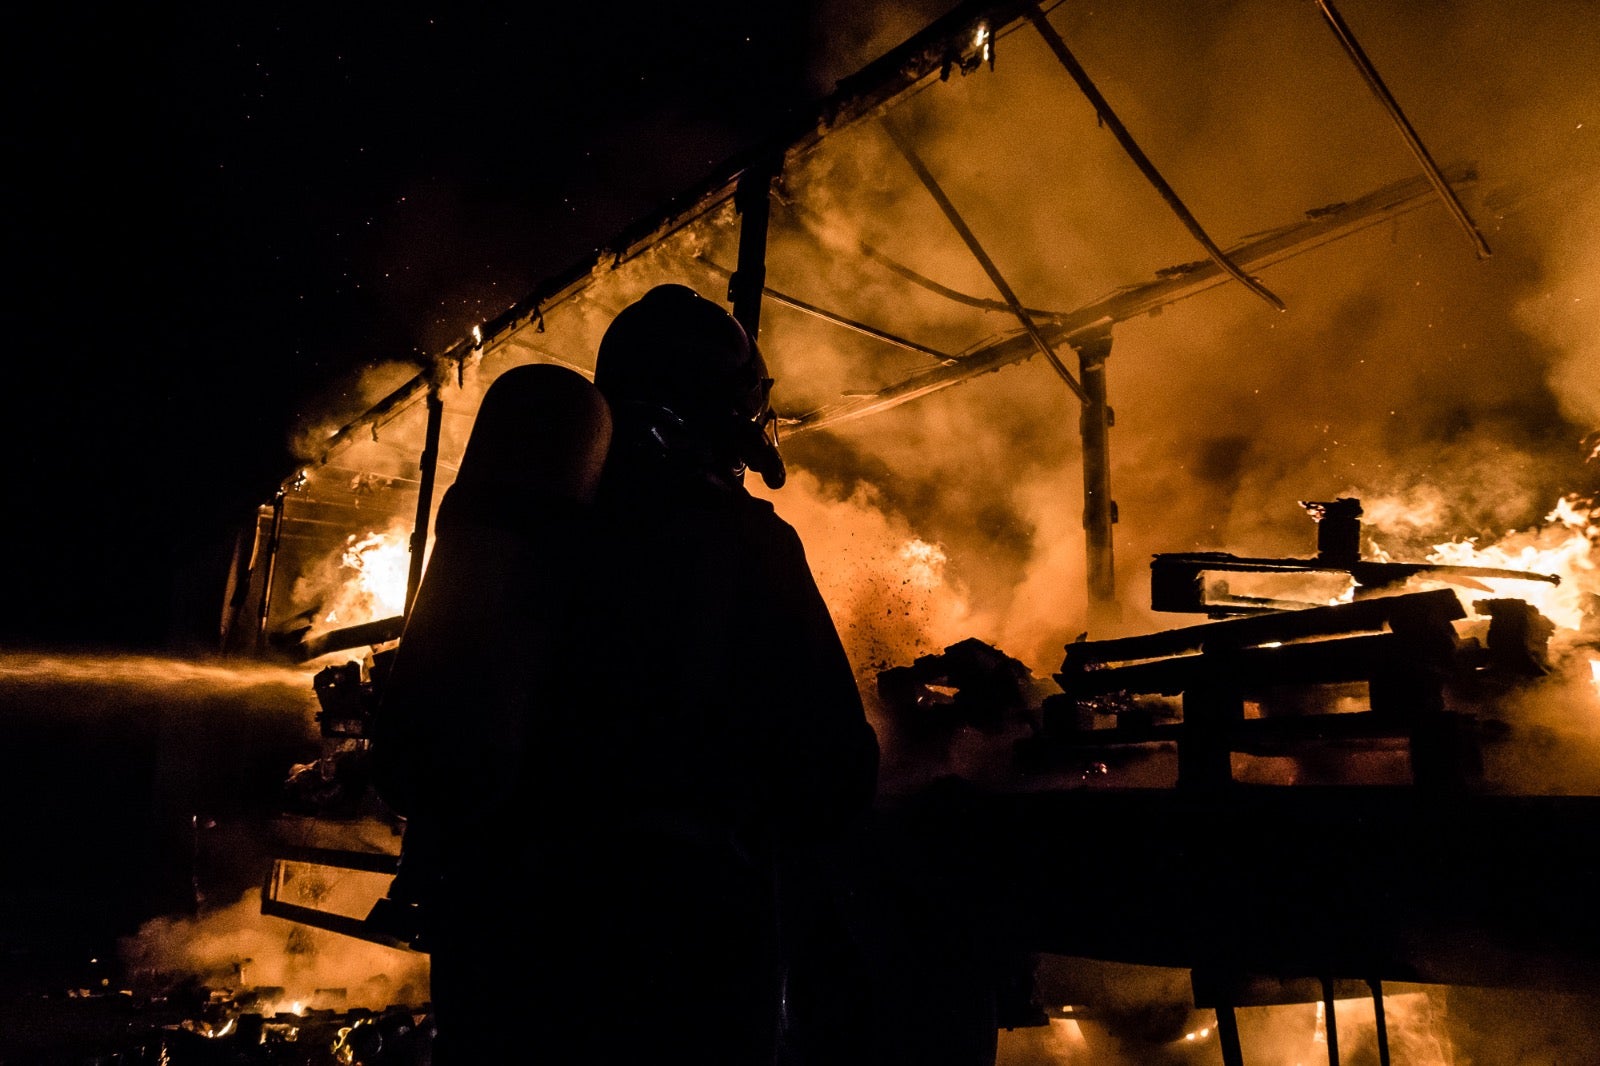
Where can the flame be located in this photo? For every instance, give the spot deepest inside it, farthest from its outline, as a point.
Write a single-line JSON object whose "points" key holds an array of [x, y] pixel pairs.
{"points": [[1567, 545], [379, 565], [924, 563]]}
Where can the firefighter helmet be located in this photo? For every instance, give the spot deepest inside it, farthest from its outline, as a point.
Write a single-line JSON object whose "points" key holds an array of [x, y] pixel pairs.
{"points": [[674, 353]]}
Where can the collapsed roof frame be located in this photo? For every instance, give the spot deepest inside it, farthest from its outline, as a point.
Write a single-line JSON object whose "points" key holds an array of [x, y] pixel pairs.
{"points": [[963, 40]]}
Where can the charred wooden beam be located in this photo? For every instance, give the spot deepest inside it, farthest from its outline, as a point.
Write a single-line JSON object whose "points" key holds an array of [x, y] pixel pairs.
{"points": [[1251, 671], [1103, 109], [970, 239], [1177, 584], [380, 631], [1434, 609], [1369, 73], [797, 304], [374, 417], [812, 221]]}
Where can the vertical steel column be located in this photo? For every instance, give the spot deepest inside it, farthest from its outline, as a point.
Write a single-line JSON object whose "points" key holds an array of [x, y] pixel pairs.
{"points": [[1099, 510], [429, 464], [752, 198]]}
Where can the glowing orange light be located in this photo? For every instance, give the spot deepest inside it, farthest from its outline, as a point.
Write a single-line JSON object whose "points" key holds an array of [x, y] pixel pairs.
{"points": [[380, 563], [1565, 546], [924, 563]]}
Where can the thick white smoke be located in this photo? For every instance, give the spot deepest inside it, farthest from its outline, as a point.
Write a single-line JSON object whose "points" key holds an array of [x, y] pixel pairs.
{"points": [[235, 949]]}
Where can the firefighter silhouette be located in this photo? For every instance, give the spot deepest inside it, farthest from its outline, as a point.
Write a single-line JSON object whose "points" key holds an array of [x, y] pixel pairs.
{"points": [[620, 718]]}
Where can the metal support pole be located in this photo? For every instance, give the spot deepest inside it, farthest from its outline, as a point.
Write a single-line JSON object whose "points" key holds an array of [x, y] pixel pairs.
{"points": [[1330, 1024], [1228, 1036], [429, 464], [1383, 1025], [1099, 510], [752, 198]]}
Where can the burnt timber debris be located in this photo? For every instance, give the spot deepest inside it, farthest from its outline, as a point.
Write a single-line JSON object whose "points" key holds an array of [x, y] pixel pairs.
{"points": [[1178, 582], [1257, 888]]}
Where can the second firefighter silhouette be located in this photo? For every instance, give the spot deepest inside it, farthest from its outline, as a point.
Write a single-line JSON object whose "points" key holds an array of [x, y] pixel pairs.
{"points": [[688, 723]]}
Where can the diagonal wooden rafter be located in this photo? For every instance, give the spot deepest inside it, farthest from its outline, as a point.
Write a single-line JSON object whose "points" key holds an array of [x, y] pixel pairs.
{"points": [[909, 152], [1369, 73], [1064, 56]]}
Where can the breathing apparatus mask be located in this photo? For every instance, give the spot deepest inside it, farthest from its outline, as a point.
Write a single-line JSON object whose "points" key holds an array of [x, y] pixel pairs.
{"points": [[684, 371]]}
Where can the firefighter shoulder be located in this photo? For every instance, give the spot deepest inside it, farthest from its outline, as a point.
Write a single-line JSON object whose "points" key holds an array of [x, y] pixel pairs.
{"points": [[451, 729]]}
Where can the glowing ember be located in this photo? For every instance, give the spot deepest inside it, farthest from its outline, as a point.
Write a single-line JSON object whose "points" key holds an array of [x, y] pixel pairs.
{"points": [[1566, 546]]}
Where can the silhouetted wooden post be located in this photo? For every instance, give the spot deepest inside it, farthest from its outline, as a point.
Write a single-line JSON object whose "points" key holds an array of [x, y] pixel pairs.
{"points": [[752, 198]]}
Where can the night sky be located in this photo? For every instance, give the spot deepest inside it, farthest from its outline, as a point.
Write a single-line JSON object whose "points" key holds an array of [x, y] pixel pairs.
{"points": [[217, 215]]}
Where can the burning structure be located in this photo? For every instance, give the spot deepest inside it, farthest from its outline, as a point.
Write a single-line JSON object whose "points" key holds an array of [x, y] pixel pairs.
{"points": [[1017, 181]]}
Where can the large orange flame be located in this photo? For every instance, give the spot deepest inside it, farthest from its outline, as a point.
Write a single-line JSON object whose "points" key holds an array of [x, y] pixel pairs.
{"points": [[378, 564], [1567, 545]]}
